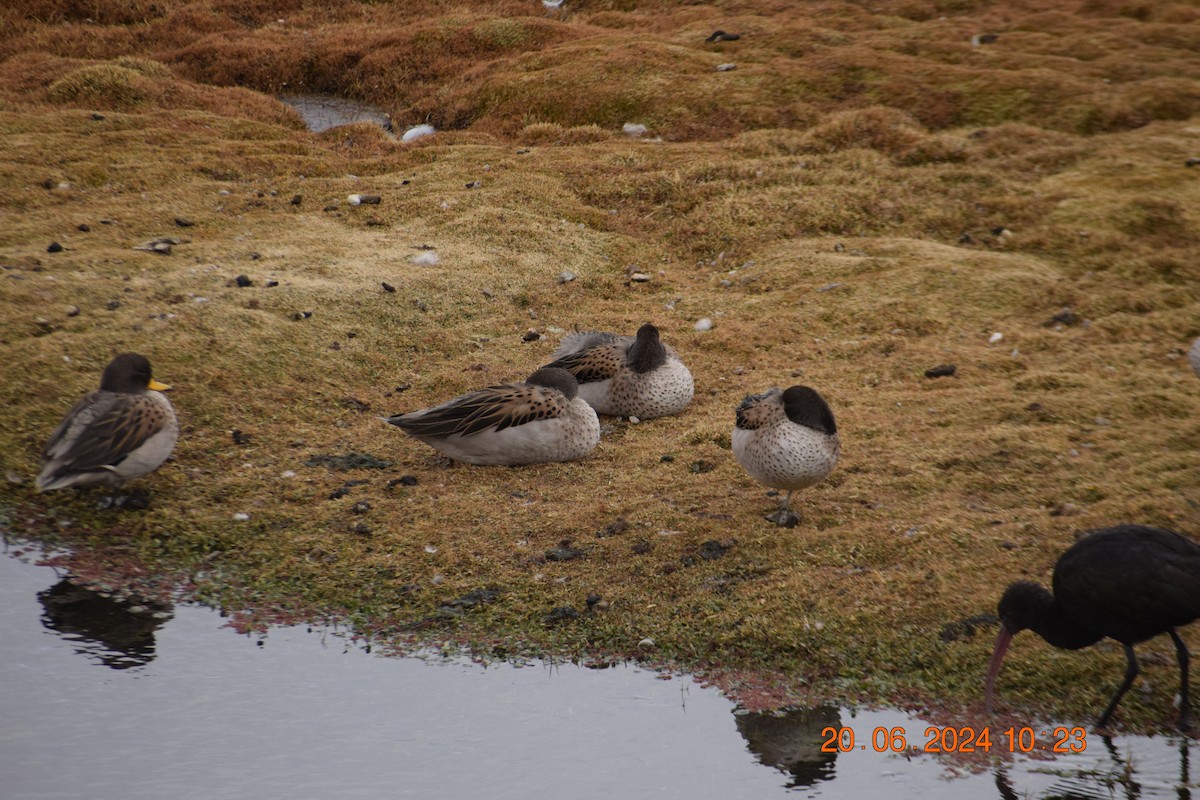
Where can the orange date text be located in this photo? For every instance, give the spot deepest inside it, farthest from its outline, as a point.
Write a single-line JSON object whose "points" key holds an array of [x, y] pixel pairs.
{"points": [[946, 739]]}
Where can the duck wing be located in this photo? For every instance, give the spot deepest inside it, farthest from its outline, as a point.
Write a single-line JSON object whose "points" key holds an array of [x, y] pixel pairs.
{"points": [[494, 408]]}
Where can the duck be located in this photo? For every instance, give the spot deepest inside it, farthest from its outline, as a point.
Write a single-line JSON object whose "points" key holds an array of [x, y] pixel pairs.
{"points": [[542, 419], [626, 376], [122, 431], [786, 440]]}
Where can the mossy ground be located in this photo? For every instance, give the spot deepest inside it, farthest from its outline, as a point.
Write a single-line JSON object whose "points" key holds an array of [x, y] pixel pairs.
{"points": [[866, 196]]}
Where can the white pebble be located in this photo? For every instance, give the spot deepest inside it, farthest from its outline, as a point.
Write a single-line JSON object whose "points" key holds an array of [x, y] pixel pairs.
{"points": [[416, 132], [287, 474], [428, 258], [354, 199], [634, 420], [704, 324], [995, 337], [646, 643], [241, 516], [634, 129], [430, 548]]}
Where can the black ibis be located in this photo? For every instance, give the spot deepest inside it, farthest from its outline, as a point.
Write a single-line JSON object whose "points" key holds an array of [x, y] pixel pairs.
{"points": [[1128, 582]]}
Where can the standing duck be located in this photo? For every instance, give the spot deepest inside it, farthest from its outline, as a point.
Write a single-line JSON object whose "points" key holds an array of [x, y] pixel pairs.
{"points": [[123, 430], [626, 376], [786, 440], [542, 419]]}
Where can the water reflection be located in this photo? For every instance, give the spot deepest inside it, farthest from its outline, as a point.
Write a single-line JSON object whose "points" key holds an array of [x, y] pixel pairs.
{"points": [[1098, 781], [115, 633], [791, 741]]}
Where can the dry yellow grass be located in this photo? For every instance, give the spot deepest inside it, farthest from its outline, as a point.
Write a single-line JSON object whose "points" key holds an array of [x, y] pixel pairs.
{"points": [[866, 196]]}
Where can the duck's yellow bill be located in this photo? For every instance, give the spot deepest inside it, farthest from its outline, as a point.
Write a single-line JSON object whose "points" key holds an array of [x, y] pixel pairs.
{"points": [[158, 387]]}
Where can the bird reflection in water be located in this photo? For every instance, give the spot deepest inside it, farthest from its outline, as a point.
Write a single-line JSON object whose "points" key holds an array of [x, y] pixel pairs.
{"points": [[115, 633], [790, 741], [1096, 783]]}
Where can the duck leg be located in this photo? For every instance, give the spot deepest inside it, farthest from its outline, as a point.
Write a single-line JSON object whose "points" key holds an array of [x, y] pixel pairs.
{"points": [[784, 517]]}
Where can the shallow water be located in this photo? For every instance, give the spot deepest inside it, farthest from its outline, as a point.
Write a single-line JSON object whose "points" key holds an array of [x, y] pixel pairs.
{"points": [[99, 700], [322, 112]]}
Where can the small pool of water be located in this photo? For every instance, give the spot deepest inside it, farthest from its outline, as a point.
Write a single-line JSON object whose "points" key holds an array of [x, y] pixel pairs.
{"points": [[322, 112], [104, 700]]}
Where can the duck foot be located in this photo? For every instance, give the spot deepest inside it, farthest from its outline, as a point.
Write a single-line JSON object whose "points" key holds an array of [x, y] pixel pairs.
{"points": [[137, 500], [784, 518]]}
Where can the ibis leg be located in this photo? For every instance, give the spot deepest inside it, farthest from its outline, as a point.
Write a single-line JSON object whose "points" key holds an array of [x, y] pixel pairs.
{"points": [[1131, 672], [1185, 708]]}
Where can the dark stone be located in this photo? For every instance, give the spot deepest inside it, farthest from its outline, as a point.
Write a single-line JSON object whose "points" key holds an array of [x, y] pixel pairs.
{"points": [[403, 480], [113, 305], [941, 371], [1064, 317], [560, 614], [272, 284], [530, 335], [1193, 162], [239, 437], [54, 247], [184, 222], [339, 493], [564, 552], [614, 528], [299, 315], [722, 36], [474, 598], [591, 601], [297, 199], [97, 117], [666, 458], [85, 227], [642, 546], [361, 528], [387, 287], [243, 281], [712, 549], [361, 507], [965, 628]]}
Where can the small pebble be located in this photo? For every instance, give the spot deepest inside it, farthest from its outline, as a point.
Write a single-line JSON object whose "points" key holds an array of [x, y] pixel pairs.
{"points": [[633, 129], [72, 311], [241, 516], [287, 473], [364, 199], [184, 222], [726, 67], [428, 258], [297, 199], [704, 324], [387, 287], [639, 277], [243, 281], [634, 420], [272, 283], [995, 337], [566, 276], [646, 643], [85, 227], [530, 335], [54, 247], [113, 305]]}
